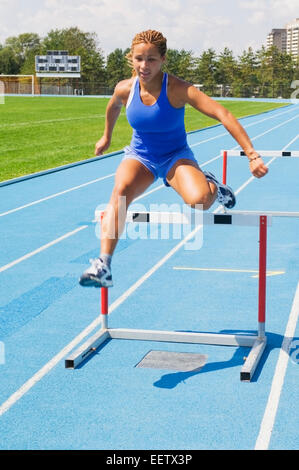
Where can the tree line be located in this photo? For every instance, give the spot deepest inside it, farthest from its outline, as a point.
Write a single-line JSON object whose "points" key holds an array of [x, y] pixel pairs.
{"points": [[264, 73]]}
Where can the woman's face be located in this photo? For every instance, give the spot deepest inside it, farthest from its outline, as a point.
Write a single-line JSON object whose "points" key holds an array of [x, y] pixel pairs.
{"points": [[147, 61]]}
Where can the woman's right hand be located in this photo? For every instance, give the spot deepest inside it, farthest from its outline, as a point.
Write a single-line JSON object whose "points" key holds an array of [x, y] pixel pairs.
{"points": [[101, 145]]}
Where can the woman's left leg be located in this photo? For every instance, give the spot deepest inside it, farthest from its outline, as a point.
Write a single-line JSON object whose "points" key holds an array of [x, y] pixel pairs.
{"points": [[187, 179]]}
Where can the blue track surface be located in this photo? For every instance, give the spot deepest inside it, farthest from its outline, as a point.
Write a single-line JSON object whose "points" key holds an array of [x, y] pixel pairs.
{"points": [[47, 238]]}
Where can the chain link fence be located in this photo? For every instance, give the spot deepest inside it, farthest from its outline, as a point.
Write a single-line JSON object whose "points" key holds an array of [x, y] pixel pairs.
{"points": [[266, 90]]}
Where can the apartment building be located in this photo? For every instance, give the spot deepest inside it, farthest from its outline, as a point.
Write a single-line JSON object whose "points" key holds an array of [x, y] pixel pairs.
{"points": [[285, 39], [293, 37], [278, 38]]}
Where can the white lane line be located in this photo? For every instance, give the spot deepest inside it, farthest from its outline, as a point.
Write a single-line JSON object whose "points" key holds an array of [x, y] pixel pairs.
{"points": [[112, 174], [50, 121], [254, 138], [47, 121], [293, 140], [267, 424], [276, 127], [150, 192], [67, 349], [41, 248], [56, 195], [245, 127], [267, 164], [57, 240]]}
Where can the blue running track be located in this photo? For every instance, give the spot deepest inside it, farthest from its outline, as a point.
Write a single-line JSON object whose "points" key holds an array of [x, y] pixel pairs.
{"points": [[47, 238]]}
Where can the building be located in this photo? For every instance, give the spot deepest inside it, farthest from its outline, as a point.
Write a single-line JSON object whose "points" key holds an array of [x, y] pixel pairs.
{"points": [[293, 38], [285, 39], [278, 38]]}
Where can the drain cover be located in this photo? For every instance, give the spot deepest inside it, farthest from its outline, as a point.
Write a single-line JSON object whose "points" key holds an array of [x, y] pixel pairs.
{"points": [[173, 360]]}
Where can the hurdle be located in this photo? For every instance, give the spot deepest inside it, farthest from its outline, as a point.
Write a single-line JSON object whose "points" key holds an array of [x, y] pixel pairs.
{"points": [[255, 342], [263, 153]]}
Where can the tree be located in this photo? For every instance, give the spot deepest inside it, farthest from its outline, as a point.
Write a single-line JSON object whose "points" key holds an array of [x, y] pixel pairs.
{"points": [[180, 63], [205, 72], [8, 62], [77, 42], [117, 67], [246, 81], [172, 61], [16, 51], [23, 44], [275, 72], [187, 65], [226, 69]]}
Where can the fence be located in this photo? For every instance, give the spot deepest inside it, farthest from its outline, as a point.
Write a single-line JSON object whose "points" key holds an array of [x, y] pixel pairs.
{"points": [[72, 87]]}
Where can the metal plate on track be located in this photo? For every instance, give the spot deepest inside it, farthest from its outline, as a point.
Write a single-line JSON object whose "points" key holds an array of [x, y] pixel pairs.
{"points": [[173, 360]]}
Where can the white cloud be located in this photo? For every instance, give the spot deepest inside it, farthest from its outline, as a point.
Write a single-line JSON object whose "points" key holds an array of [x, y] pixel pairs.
{"points": [[190, 24], [275, 10], [253, 4], [257, 17]]}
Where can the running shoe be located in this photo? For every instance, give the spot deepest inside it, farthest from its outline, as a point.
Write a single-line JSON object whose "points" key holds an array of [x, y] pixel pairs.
{"points": [[225, 194], [97, 275]]}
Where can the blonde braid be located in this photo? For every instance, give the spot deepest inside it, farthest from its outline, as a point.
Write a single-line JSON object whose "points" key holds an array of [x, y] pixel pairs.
{"points": [[148, 37]]}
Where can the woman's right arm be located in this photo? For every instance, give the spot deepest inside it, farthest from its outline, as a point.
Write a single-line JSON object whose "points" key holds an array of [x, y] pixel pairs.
{"points": [[113, 110]]}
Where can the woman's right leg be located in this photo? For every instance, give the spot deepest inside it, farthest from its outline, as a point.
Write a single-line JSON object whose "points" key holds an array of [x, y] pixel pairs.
{"points": [[131, 180]]}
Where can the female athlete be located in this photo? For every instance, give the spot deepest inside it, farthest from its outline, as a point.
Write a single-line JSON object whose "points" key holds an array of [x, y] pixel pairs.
{"points": [[155, 105]]}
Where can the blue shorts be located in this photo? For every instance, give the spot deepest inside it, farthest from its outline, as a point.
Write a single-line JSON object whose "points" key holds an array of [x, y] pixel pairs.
{"points": [[161, 169]]}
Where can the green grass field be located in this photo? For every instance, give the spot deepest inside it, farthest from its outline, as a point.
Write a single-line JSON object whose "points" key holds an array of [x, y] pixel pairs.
{"points": [[37, 133]]}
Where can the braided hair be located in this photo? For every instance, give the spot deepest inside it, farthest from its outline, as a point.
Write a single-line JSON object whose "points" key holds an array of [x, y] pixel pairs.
{"points": [[148, 37]]}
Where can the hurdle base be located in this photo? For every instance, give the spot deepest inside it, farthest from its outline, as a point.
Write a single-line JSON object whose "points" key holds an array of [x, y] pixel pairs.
{"points": [[87, 349], [253, 359], [255, 343]]}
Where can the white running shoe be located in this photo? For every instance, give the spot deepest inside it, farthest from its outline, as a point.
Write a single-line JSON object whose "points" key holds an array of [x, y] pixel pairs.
{"points": [[97, 275], [225, 194]]}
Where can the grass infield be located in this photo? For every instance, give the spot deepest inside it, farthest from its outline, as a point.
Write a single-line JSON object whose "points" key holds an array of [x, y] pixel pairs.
{"points": [[38, 133]]}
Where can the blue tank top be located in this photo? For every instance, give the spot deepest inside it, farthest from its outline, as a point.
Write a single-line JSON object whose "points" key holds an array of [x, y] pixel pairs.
{"points": [[158, 130]]}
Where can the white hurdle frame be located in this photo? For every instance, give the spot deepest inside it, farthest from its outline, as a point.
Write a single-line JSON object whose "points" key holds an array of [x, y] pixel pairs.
{"points": [[256, 343], [262, 153]]}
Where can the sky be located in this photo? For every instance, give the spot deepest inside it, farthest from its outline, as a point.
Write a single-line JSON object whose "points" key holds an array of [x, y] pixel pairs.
{"points": [[194, 25]]}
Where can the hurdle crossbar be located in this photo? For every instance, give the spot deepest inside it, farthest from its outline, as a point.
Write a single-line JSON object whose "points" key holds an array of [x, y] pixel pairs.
{"points": [[194, 217], [256, 342], [263, 153], [269, 213]]}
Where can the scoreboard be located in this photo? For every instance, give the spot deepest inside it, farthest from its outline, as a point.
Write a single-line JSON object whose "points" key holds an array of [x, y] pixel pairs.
{"points": [[58, 64]]}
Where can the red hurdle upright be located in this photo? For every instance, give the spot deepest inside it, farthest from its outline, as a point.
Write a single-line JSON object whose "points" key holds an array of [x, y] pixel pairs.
{"points": [[256, 342], [262, 275], [104, 306], [224, 167]]}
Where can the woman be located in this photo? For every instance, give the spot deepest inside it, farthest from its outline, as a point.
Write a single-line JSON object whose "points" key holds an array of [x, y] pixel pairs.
{"points": [[155, 104]]}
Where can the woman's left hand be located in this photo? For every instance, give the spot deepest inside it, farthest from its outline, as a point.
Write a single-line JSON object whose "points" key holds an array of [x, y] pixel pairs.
{"points": [[258, 168]]}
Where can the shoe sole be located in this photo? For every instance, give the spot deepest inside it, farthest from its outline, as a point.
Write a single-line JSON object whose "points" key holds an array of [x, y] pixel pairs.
{"points": [[211, 178], [233, 202], [94, 282]]}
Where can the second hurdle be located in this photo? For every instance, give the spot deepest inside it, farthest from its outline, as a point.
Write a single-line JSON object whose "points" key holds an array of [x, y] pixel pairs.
{"points": [[263, 153]]}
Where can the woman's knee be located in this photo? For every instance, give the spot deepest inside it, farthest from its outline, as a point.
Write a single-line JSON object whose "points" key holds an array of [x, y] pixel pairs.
{"points": [[199, 198], [123, 191]]}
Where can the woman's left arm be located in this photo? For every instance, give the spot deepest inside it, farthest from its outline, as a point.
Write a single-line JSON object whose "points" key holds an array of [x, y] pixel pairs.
{"points": [[211, 108]]}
